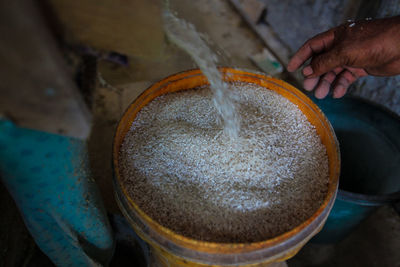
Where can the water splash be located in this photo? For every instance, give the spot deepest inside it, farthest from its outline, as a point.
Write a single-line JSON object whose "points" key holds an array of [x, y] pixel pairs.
{"points": [[185, 36]]}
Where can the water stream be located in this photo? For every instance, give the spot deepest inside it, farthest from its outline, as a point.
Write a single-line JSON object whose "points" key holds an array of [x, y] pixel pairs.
{"points": [[185, 36]]}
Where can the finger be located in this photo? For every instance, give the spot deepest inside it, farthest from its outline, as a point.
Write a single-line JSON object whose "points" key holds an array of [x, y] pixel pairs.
{"points": [[338, 70], [325, 62], [322, 90], [339, 91], [310, 83], [358, 72], [307, 71], [344, 80], [313, 46]]}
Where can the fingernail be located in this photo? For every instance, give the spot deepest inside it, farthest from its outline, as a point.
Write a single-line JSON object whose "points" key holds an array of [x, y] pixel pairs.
{"points": [[322, 91], [310, 83], [307, 71], [338, 92]]}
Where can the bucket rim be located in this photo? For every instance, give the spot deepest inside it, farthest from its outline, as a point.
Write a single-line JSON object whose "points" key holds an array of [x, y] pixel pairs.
{"points": [[210, 247], [368, 200], [360, 198]]}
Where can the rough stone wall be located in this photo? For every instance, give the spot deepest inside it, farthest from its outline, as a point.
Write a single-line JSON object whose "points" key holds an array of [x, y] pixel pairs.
{"points": [[297, 21]]}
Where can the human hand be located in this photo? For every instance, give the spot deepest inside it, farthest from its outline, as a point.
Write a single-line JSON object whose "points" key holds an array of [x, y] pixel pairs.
{"points": [[345, 53]]}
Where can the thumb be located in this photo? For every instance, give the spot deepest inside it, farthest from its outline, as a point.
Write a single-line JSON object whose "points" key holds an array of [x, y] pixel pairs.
{"points": [[325, 62]]}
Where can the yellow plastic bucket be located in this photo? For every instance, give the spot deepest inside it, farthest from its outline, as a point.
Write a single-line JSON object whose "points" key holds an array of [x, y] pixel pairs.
{"points": [[172, 249]]}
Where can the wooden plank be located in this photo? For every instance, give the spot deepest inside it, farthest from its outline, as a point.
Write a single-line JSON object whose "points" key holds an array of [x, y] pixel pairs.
{"points": [[254, 10], [264, 32], [131, 27]]}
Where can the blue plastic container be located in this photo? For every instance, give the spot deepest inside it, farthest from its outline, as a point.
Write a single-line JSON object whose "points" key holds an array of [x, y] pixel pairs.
{"points": [[369, 138]]}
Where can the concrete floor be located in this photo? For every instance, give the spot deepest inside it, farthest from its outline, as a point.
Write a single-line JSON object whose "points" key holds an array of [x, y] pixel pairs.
{"points": [[375, 243]]}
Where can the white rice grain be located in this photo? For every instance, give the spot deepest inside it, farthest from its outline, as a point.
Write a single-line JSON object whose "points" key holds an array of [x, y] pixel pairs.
{"points": [[181, 169]]}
